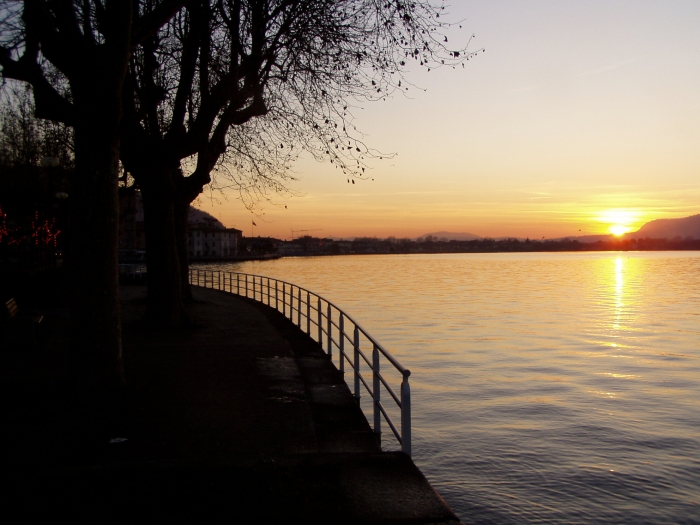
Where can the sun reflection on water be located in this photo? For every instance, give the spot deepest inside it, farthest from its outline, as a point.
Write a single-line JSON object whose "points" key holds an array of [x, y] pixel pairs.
{"points": [[619, 291]]}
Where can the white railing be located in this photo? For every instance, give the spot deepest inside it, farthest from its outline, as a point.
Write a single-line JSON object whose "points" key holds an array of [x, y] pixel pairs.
{"points": [[332, 329]]}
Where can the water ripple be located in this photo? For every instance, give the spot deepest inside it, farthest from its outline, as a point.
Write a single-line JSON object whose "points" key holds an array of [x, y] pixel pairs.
{"points": [[548, 388]]}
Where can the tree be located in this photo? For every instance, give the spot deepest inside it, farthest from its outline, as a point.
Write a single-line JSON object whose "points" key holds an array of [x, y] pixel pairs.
{"points": [[75, 57], [33, 225], [258, 78]]}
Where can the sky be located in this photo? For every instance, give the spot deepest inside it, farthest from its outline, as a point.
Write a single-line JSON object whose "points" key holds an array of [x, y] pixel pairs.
{"points": [[579, 118]]}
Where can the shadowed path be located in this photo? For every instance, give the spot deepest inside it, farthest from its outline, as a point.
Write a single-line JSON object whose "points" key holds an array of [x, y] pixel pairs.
{"points": [[242, 419]]}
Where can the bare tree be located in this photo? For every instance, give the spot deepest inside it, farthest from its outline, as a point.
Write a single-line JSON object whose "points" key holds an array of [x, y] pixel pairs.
{"points": [[75, 56], [257, 78], [24, 138]]}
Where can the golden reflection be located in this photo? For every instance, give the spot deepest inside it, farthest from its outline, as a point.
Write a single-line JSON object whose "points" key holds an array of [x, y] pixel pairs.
{"points": [[609, 395], [619, 291]]}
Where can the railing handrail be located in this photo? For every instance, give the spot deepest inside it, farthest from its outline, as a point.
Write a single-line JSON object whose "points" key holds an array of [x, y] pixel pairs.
{"points": [[289, 309], [383, 350]]}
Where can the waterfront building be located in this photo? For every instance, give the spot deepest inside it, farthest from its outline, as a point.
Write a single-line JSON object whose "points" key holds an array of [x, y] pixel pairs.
{"points": [[207, 238]]}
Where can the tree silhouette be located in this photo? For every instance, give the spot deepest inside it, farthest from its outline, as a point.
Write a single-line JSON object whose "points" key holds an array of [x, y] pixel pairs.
{"points": [[75, 56], [237, 87]]}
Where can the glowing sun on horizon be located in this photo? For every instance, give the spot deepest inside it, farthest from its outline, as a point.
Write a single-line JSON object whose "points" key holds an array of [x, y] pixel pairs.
{"points": [[619, 221], [618, 229]]}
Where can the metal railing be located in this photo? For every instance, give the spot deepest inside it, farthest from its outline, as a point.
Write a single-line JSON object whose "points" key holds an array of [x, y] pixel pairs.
{"points": [[332, 329], [132, 270]]}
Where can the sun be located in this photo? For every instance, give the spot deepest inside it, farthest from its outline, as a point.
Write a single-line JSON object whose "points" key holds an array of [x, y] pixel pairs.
{"points": [[618, 229], [619, 221]]}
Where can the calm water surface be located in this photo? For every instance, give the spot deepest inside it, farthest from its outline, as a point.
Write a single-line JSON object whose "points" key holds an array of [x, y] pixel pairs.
{"points": [[547, 388]]}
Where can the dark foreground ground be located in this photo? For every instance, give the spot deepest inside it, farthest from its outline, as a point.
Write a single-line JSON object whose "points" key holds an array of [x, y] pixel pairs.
{"points": [[241, 420]]}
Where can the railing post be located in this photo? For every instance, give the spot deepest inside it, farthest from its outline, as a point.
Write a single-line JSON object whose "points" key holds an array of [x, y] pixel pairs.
{"points": [[284, 299], [299, 307], [320, 324], [246, 285], [238, 284], [376, 389], [219, 288], [406, 414], [329, 325], [356, 360], [341, 342], [230, 282], [268, 291], [308, 313], [277, 305]]}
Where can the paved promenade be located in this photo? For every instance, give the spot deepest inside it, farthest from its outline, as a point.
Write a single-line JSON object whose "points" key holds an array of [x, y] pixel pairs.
{"points": [[242, 420]]}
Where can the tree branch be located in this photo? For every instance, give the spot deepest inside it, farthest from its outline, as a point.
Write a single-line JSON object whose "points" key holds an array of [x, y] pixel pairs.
{"points": [[149, 24], [49, 104]]}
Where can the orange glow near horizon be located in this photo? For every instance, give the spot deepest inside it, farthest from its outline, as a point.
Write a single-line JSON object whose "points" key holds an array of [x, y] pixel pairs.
{"points": [[621, 221], [374, 211], [558, 132]]}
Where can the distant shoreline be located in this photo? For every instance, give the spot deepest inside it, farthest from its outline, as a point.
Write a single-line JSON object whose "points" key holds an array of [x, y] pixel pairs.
{"points": [[316, 247], [264, 257]]}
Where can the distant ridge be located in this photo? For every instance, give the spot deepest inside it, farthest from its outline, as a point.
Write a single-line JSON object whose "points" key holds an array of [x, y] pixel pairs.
{"points": [[669, 228], [453, 236]]}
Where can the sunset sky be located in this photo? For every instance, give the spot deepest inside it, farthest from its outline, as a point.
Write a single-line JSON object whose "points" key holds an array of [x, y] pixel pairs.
{"points": [[578, 118]]}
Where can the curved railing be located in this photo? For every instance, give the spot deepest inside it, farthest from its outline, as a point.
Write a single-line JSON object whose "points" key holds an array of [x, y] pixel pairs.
{"points": [[328, 324]]}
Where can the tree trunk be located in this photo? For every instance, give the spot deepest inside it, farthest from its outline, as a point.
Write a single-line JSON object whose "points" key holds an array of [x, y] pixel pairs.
{"points": [[182, 211], [165, 306], [96, 344], [94, 284]]}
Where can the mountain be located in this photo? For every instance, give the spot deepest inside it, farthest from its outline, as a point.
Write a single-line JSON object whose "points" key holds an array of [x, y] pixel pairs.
{"points": [[669, 228], [452, 236]]}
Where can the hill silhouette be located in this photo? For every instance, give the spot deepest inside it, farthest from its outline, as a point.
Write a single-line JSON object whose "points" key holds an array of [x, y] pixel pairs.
{"points": [[669, 228]]}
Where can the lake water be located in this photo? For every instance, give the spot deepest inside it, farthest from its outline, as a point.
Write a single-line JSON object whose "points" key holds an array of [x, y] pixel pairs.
{"points": [[546, 388]]}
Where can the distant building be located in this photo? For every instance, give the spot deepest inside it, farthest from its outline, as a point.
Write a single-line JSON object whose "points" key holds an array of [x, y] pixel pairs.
{"points": [[207, 237], [289, 248], [213, 243]]}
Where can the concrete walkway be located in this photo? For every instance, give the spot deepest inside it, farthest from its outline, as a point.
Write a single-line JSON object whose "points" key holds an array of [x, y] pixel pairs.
{"points": [[242, 420]]}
